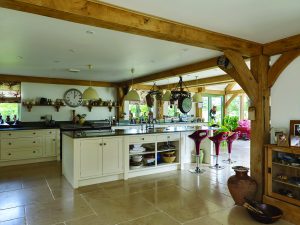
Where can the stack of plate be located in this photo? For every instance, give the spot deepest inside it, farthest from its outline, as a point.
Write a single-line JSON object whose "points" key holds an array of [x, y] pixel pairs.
{"points": [[137, 148]]}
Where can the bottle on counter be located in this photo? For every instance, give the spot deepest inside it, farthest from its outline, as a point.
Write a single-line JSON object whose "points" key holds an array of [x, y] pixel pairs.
{"points": [[1, 119], [7, 119]]}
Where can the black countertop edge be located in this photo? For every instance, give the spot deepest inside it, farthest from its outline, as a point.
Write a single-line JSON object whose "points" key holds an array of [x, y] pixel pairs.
{"points": [[95, 134], [68, 126]]}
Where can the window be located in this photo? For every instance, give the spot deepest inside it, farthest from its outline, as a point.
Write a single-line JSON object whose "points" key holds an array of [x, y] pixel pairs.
{"points": [[10, 98], [246, 106], [205, 109], [234, 107], [139, 110], [9, 109]]}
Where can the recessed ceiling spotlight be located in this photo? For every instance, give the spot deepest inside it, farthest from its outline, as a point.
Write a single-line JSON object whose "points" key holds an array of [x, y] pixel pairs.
{"points": [[20, 57], [72, 50], [90, 32], [56, 61], [185, 49], [72, 70]]}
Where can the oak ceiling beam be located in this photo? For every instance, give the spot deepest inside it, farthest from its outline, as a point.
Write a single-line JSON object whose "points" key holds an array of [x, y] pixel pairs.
{"points": [[99, 14], [227, 103], [181, 70], [221, 79], [229, 86], [281, 63], [241, 91], [241, 73], [282, 45], [46, 80]]}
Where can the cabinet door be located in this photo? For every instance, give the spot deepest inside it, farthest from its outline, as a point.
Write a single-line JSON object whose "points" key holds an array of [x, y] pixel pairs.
{"points": [[50, 146], [112, 156], [90, 158]]}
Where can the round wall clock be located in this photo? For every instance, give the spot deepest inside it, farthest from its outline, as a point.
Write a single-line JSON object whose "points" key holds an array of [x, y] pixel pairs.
{"points": [[185, 104], [73, 97]]}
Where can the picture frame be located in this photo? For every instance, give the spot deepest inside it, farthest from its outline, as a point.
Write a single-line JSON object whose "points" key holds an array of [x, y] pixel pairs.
{"points": [[275, 131], [295, 127], [282, 140], [295, 141]]}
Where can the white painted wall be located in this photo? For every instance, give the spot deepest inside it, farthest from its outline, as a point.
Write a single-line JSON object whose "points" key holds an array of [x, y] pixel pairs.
{"points": [[285, 96], [54, 91]]}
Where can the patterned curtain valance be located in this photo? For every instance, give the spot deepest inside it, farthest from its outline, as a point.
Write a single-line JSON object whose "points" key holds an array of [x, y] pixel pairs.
{"points": [[10, 92]]}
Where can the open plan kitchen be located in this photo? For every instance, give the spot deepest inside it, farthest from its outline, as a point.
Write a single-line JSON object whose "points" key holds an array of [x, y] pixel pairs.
{"points": [[133, 112]]}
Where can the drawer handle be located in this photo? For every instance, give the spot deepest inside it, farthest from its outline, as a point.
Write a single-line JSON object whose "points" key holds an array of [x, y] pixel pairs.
{"points": [[9, 143], [50, 132], [33, 142], [9, 153], [168, 136], [104, 143], [9, 134], [33, 133], [143, 138], [100, 144], [53, 139], [33, 151]]}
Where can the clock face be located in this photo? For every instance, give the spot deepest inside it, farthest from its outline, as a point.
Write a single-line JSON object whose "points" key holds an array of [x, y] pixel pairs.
{"points": [[73, 97], [185, 105]]}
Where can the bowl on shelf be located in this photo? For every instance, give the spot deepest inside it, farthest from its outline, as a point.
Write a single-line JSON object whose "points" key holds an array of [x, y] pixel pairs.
{"points": [[137, 145], [169, 159], [149, 161], [137, 158]]}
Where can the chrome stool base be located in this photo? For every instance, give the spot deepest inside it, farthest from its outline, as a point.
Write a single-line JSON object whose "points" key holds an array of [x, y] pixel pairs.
{"points": [[217, 167], [197, 170], [228, 161]]}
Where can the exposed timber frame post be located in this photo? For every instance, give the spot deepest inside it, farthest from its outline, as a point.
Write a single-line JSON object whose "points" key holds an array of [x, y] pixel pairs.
{"points": [[199, 113], [121, 92], [255, 84]]}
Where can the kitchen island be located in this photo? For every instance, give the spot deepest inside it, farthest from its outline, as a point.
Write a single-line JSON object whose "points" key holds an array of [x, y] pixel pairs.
{"points": [[91, 157]]}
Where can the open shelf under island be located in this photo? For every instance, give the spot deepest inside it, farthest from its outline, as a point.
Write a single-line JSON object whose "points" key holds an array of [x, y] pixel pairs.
{"points": [[89, 157]]}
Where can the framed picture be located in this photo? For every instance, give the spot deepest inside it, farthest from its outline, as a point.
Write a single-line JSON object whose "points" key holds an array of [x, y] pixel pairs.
{"points": [[295, 127], [276, 131], [283, 140], [295, 141]]}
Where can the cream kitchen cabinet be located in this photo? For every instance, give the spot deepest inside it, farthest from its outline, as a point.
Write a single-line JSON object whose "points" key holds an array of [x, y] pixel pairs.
{"points": [[92, 160], [25, 146]]}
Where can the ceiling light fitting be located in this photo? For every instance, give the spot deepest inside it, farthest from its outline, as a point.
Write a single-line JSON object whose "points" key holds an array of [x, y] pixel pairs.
{"points": [[197, 97], [132, 95]]}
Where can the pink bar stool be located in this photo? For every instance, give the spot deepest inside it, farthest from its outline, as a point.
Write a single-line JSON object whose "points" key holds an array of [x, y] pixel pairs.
{"points": [[217, 140], [198, 136], [230, 139]]}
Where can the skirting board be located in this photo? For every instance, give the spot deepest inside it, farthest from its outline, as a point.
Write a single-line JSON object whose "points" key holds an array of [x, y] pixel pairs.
{"points": [[291, 212], [27, 161]]}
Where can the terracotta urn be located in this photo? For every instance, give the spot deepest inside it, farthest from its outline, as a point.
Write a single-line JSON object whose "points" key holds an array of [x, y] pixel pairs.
{"points": [[241, 185]]}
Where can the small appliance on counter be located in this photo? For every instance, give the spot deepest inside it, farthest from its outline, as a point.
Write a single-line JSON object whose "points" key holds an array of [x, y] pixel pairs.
{"points": [[49, 122]]}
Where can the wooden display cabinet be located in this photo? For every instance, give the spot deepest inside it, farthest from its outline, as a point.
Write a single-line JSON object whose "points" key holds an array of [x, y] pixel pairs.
{"points": [[282, 180]]}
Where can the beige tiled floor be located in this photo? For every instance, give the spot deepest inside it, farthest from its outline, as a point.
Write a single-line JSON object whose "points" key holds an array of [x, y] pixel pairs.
{"points": [[37, 194]]}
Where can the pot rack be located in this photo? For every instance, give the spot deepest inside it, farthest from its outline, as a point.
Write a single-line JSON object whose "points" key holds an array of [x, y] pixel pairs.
{"points": [[178, 92]]}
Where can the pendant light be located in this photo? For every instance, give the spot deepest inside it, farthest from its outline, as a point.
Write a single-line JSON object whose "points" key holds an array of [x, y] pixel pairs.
{"points": [[197, 97], [167, 95], [132, 95], [90, 93]]}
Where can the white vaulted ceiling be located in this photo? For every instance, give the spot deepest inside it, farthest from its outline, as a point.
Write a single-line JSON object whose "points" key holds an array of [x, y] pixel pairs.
{"points": [[41, 46], [33, 45], [256, 20]]}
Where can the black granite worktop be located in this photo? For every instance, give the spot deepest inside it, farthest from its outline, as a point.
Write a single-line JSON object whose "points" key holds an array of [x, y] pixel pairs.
{"points": [[132, 131]]}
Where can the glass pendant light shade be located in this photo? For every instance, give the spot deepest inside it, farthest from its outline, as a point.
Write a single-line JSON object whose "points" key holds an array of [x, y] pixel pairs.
{"points": [[90, 94], [197, 97], [132, 95], [167, 96]]}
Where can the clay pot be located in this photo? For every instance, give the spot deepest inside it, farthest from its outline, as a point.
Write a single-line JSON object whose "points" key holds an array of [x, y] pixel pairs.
{"points": [[241, 186]]}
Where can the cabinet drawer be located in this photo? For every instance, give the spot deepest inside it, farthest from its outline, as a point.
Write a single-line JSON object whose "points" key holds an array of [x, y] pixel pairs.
{"points": [[168, 137], [23, 154], [20, 134], [21, 143], [50, 132], [142, 139]]}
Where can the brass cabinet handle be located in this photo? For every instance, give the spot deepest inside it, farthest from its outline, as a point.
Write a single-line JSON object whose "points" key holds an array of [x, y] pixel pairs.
{"points": [[143, 138], [104, 144], [9, 134], [33, 142], [9, 153], [33, 133], [53, 140], [33, 151], [9, 143], [100, 144], [168, 136], [50, 132]]}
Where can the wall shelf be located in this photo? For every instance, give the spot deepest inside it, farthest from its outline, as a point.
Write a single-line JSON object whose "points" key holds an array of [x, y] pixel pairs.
{"points": [[92, 106], [29, 106]]}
